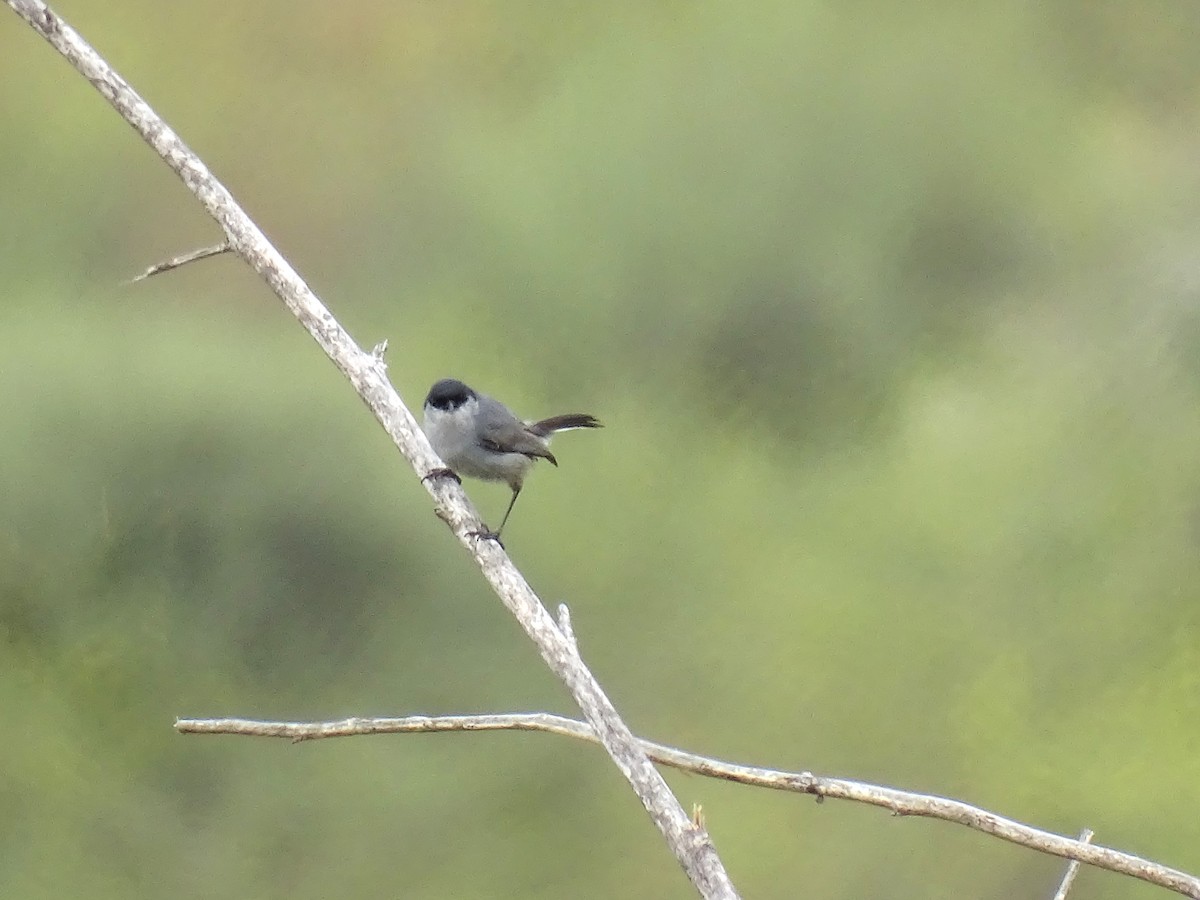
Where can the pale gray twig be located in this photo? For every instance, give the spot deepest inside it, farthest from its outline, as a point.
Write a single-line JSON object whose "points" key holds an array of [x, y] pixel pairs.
{"points": [[1064, 887], [182, 260], [898, 802], [564, 625]]}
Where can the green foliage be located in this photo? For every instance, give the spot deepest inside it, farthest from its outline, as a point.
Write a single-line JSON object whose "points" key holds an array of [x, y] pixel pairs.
{"points": [[890, 315]]}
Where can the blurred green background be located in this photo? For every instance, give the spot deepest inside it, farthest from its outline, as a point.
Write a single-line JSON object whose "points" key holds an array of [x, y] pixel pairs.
{"points": [[892, 313]]}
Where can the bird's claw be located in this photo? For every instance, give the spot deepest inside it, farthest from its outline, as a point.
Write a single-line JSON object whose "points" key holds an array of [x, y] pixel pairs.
{"points": [[443, 472], [486, 534]]}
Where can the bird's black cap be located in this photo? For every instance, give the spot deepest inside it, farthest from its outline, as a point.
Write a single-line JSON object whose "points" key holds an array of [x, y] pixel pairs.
{"points": [[448, 394]]}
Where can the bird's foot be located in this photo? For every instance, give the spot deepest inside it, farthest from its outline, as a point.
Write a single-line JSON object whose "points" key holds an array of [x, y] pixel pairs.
{"points": [[443, 472], [486, 534]]}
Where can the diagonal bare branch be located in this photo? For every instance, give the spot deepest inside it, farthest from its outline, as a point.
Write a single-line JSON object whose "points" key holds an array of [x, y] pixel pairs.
{"points": [[690, 843]]}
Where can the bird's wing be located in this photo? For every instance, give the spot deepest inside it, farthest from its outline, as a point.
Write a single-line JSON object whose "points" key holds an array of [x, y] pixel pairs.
{"points": [[513, 437]]}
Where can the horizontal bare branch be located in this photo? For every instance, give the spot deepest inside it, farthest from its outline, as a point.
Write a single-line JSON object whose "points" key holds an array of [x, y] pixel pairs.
{"points": [[900, 803]]}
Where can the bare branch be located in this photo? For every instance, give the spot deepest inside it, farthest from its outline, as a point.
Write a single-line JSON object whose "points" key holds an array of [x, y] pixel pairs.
{"points": [[689, 843], [900, 803], [1085, 837], [182, 260]]}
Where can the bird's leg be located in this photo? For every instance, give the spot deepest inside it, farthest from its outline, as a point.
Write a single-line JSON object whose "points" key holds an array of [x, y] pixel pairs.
{"points": [[511, 503], [490, 535]]}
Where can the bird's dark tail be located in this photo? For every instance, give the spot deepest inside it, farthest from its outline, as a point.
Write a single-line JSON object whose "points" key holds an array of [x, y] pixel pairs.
{"points": [[565, 422]]}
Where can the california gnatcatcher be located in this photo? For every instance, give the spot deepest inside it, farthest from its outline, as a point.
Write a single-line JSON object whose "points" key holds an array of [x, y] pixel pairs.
{"points": [[480, 437]]}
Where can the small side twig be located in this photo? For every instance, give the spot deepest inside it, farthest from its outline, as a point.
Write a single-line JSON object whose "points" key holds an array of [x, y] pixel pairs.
{"points": [[182, 260], [1085, 837], [898, 802], [564, 625]]}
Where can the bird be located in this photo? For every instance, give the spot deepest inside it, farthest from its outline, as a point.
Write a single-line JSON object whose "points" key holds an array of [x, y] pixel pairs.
{"points": [[482, 438]]}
